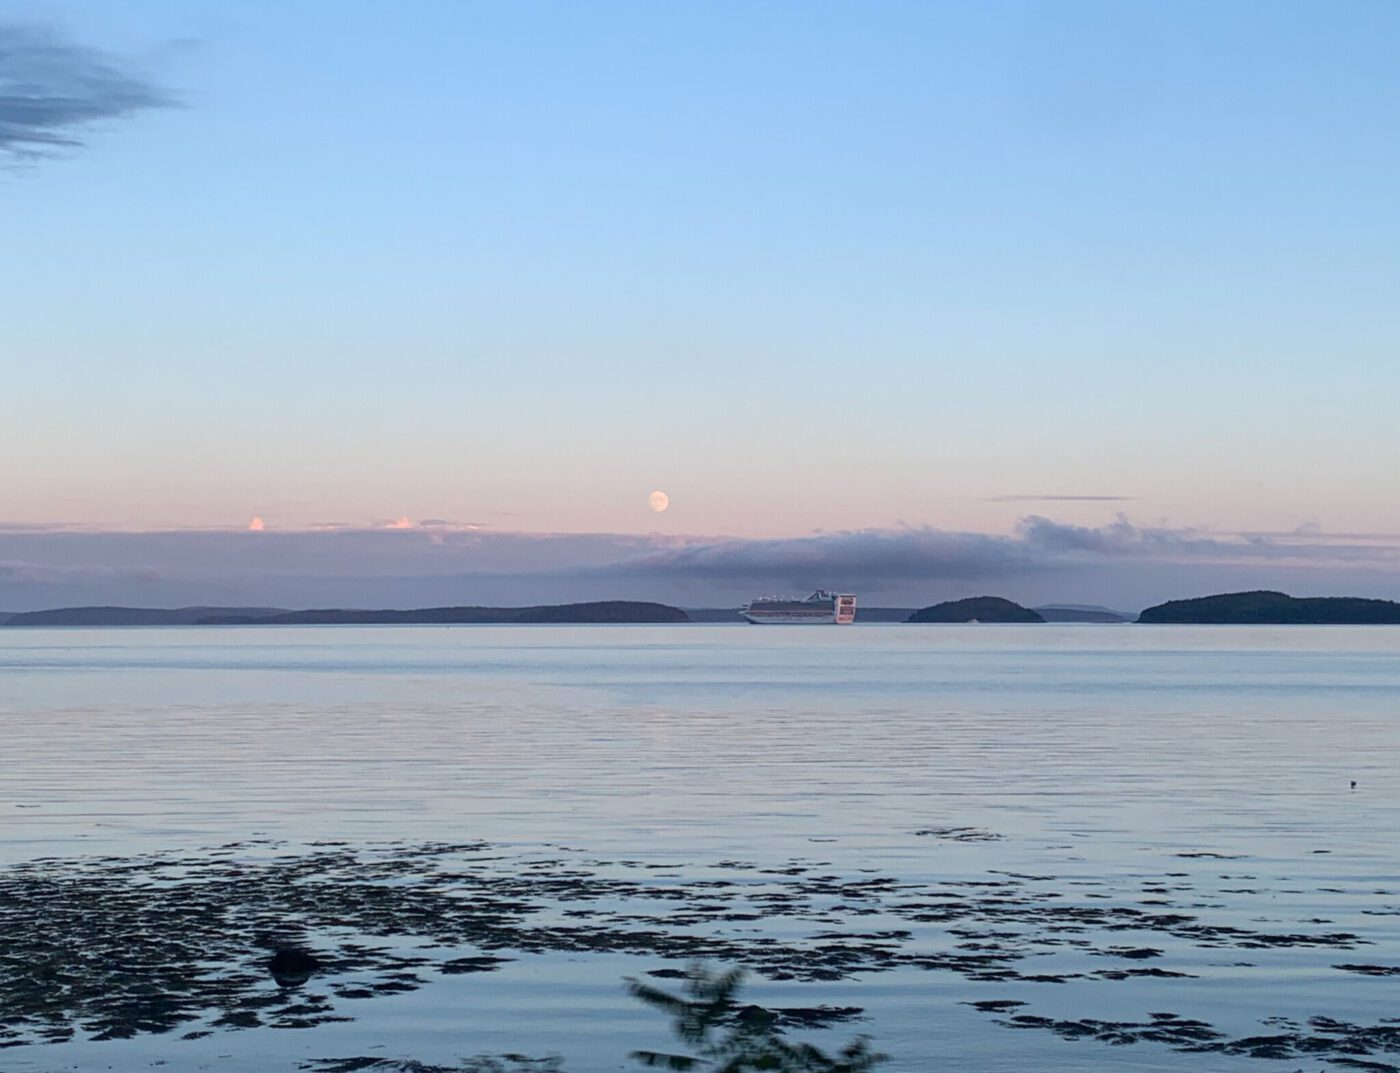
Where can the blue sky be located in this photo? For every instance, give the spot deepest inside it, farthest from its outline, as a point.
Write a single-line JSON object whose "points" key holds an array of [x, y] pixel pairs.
{"points": [[803, 266]]}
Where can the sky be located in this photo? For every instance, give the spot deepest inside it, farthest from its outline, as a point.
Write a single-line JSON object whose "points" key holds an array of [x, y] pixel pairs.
{"points": [[881, 295]]}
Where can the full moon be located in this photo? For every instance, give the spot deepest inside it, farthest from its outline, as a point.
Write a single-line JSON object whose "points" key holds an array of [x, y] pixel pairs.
{"points": [[658, 501]]}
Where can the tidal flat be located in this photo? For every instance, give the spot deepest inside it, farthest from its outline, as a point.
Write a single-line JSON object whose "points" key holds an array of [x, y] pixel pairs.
{"points": [[355, 848]]}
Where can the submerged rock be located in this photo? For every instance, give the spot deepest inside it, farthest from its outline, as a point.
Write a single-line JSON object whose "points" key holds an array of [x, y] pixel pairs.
{"points": [[755, 1016], [292, 966]]}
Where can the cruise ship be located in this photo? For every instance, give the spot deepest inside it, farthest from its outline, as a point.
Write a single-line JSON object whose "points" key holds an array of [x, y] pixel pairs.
{"points": [[821, 606]]}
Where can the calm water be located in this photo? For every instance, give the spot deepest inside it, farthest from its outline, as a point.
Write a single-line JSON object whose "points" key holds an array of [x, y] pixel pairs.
{"points": [[1097, 755]]}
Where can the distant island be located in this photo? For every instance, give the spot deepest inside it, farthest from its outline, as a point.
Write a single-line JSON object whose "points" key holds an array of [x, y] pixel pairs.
{"points": [[128, 616], [1274, 609], [1081, 613], [976, 609], [602, 611]]}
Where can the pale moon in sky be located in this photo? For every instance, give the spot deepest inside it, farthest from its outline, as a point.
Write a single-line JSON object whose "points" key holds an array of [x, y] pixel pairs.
{"points": [[658, 501]]}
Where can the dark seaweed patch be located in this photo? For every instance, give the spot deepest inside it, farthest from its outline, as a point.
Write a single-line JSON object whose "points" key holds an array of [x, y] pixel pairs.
{"points": [[1371, 970], [960, 834], [251, 935]]}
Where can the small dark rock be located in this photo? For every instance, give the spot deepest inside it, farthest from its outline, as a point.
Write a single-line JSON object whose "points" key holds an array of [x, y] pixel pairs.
{"points": [[755, 1016], [485, 963], [291, 966]]}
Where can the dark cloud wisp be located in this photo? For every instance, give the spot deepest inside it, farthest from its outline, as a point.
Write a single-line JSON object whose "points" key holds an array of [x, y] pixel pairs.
{"points": [[870, 556], [51, 88], [1056, 498]]}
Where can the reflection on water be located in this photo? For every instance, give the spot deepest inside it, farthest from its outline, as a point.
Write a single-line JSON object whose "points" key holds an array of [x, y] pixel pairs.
{"points": [[732, 1038], [723, 1036], [1065, 793], [736, 739]]}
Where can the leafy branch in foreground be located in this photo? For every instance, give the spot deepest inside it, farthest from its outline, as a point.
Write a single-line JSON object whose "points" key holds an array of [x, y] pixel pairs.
{"points": [[724, 1037], [751, 1039]]}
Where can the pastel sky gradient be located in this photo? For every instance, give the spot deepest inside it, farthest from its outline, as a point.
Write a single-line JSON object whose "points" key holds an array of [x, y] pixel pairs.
{"points": [[802, 266]]}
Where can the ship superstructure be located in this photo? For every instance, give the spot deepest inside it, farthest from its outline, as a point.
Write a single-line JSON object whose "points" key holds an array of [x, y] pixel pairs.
{"points": [[820, 607]]}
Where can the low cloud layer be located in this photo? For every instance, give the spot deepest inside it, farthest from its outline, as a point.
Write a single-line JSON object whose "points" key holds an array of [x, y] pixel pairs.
{"points": [[51, 89], [1120, 564], [875, 558]]}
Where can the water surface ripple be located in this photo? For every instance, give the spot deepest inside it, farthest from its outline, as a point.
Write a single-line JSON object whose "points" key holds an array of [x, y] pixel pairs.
{"points": [[1203, 772]]}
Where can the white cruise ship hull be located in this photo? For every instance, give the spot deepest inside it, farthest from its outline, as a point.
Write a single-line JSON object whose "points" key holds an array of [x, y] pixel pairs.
{"points": [[783, 618], [821, 608]]}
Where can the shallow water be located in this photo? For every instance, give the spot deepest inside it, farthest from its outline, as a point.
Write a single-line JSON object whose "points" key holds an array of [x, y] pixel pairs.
{"points": [[1105, 760]]}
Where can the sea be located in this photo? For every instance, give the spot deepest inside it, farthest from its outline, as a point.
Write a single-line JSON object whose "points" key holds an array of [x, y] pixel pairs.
{"points": [[981, 848]]}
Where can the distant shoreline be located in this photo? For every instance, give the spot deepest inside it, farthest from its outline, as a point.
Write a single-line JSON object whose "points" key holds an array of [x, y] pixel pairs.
{"points": [[1260, 608], [602, 612]]}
